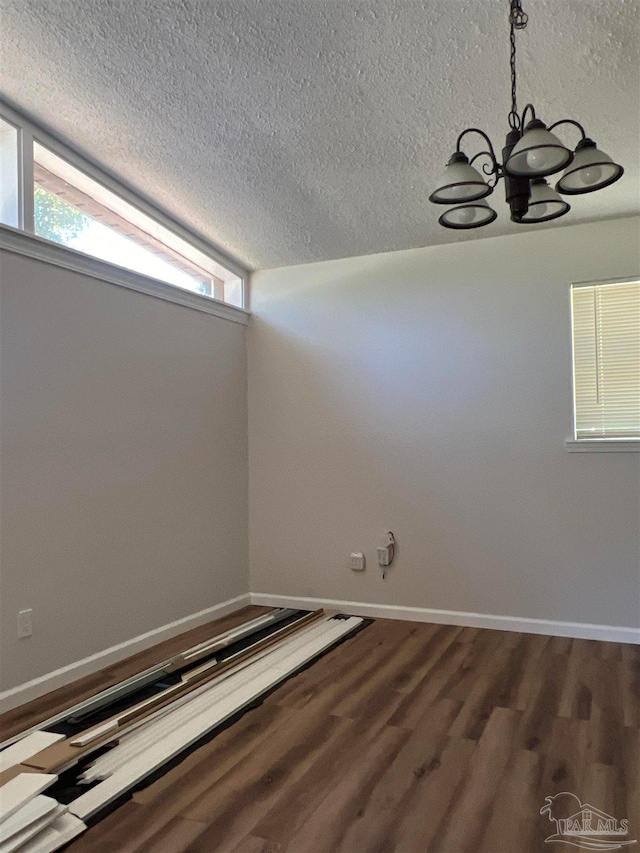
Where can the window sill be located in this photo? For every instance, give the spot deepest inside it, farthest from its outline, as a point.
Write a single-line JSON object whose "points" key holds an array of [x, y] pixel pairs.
{"points": [[594, 445], [13, 240]]}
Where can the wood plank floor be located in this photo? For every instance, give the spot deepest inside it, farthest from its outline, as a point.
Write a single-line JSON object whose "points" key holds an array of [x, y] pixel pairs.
{"points": [[408, 737]]}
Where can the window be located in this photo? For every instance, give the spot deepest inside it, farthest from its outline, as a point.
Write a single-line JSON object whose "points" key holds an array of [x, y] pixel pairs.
{"points": [[606, 360], [9, 174], [65, 204]]}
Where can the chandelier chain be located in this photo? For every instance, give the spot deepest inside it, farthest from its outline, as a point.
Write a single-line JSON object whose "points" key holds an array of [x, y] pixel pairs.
{"points": [[518, 20]]}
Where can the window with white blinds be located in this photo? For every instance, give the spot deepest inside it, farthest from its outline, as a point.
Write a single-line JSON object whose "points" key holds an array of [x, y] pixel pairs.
{"points": [[606, 360]]}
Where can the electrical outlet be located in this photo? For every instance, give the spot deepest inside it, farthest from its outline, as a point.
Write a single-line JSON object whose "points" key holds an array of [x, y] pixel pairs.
{"points": [[25, 623]]}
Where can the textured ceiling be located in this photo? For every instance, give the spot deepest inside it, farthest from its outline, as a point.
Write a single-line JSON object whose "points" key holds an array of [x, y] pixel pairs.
{"points": [[299, 130]]}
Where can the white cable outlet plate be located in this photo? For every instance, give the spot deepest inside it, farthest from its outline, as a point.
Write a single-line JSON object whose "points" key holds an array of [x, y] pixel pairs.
{"points": [[356, 562]]}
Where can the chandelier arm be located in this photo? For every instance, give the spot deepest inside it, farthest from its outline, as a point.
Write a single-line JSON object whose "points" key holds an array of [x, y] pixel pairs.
{"points": [[529, 108], [492, 168], [490, 152], [574, 123]]}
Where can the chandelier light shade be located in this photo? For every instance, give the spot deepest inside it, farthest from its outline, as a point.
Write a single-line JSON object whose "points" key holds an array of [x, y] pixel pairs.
{"points": [[538, 153], [532, 152], [460, 182], [472, 215], [544, 203], [591, 169]]}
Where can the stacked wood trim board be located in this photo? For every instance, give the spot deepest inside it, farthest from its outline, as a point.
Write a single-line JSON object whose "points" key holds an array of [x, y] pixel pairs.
{"points": [[90, 757]]}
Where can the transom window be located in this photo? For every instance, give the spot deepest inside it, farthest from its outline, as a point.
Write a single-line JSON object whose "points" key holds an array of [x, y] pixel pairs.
{"points": [[46, 194]]}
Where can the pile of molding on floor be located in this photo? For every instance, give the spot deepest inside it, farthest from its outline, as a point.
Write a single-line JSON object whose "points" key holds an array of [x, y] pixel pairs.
{"points": [[92, 755], [31, 822]]}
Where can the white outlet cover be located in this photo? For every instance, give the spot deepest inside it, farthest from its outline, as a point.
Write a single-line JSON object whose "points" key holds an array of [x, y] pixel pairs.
{"points": [[25, 624], [357, 562]]}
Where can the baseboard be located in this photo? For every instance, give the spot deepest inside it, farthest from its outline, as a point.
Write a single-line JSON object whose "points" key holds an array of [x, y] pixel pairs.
{"points": [[65, 675], [87, 666], [579, 630]]}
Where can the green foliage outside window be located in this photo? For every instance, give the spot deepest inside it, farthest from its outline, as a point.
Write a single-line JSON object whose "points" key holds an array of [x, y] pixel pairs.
{"points": [[55, 219]]}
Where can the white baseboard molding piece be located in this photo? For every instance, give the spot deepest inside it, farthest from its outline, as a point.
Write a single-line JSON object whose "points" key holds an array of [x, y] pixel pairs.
{"points": [[17, 792], [19, 831], [87, 666], [27, 747], [38, 809], [578, 630], [56, 835]]}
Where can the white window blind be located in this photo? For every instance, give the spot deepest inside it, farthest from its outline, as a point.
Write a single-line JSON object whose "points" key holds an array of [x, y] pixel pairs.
{"points": [[606, 360]]}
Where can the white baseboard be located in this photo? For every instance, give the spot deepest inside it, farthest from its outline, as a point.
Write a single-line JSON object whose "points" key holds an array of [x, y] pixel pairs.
{"points": [[579, 630], [87, 666], [65, 675]]}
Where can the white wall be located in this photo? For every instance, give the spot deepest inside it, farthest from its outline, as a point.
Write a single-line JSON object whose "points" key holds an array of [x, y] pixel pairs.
{"points": [[123, 464], [429, 392]]}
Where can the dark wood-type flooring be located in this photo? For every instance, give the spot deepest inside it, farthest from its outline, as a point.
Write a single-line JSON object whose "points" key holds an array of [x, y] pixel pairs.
{"points": [[408, 737]]}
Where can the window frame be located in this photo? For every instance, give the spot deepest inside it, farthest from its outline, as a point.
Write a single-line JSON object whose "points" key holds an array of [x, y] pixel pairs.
{"points": [[589, 445], [17, 166], [30, 133]]}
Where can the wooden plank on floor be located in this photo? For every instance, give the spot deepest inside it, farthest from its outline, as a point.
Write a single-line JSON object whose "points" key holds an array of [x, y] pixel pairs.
{"points": [[476, 798], [282, 760], [394, 786], [434, 797], [351, 664], [327, 821], [174, 836]]}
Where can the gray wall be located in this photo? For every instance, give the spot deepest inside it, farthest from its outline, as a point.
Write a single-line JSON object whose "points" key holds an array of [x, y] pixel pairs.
{"points": [[123, 451], [429, 392]]}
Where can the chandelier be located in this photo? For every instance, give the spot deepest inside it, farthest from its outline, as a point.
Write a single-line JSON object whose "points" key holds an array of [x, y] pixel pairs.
{"points": [[531, 153]]}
